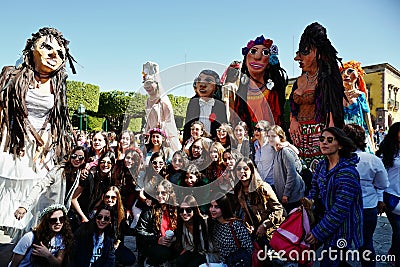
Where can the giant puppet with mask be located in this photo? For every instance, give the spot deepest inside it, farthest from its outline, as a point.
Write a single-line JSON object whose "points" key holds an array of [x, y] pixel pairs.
{"points": [[261, 92], [34, 119]]}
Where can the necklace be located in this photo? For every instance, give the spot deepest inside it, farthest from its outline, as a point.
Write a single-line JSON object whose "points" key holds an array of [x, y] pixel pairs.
{"points": [[311, 78]]}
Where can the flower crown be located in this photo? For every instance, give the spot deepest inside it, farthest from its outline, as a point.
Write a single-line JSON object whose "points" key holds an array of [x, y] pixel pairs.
{"points": [[158, 130], [268, 43], [52, 208]]}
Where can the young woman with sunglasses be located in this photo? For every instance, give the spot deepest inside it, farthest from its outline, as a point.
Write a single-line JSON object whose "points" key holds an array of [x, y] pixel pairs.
{"points": [[192, 238], [94, 240], [112, 198], [154, 224], [258, 206], [49, 244], [336, 182], [177, 166], [225, 136], [59, 184], [89, 193]]}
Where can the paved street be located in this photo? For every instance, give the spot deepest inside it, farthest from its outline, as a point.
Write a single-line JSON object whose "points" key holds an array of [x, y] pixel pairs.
{"points": [[382, 239]]}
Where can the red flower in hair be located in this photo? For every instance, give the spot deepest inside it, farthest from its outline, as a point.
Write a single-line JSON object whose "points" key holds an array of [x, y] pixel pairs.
{"points": [[212, 117], [268, 43]]}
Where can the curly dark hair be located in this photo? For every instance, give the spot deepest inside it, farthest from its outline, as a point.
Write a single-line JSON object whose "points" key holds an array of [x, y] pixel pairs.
{"points": [[329, 90], [348, 146], [389, 147], [45, 234], [357, 134], [15, 83]]}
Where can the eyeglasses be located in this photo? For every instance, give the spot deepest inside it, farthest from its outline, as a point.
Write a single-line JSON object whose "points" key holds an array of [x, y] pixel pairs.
{"points": [[348, 71], [106, 162], [187, 210], [155, 163], [221, 130], [330, 139], [245, 168], [258, 129], [74, 156], [163, 193], [112, 197], [57, 219], [101, 217], [264, 52]]}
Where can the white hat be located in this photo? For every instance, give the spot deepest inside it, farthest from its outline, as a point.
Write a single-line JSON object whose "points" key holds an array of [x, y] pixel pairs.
{"points": [[150, 72]]}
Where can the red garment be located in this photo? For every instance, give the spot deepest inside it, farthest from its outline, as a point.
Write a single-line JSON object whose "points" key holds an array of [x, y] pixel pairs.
{"points": [[165, 222]]}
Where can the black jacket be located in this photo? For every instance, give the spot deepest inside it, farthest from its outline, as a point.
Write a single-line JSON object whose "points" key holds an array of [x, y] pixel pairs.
{"points": [[193, 113]]}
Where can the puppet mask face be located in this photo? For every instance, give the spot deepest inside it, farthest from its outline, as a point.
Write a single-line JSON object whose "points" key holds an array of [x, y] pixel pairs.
{"points": [[48, 55], [205, 85]]}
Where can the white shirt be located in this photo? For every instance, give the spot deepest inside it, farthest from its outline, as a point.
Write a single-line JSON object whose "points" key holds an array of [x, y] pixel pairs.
{"points": [[205, 111], [373, 178], [394, 177]]}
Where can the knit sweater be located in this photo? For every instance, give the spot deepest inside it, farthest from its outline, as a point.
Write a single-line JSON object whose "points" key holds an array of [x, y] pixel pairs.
{"points": [[340, 191]]}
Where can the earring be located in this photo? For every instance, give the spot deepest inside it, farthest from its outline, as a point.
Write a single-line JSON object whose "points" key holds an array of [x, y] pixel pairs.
{"points": [[244, 79]]}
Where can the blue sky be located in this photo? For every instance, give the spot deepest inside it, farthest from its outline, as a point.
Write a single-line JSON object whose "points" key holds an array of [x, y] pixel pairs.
{"points": [[112, 39]]}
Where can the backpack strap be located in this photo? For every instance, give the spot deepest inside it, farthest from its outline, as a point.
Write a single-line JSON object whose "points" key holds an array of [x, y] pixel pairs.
{"points": [[234, 234]]}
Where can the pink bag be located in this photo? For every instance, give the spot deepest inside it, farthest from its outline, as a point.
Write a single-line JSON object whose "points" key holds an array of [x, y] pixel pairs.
{"points": [[289, 237]]}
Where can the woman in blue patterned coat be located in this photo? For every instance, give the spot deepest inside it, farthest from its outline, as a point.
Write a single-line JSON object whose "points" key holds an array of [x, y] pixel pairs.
{"points": [[336, 181]]}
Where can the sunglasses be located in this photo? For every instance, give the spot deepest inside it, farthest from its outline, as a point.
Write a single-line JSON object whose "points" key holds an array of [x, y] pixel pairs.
{"points": [[101, 217], [57, 219], [348, 71], [245, 168], [330, 139], [258, 129], [187, 210], [303, 52], [74, 156], [112, 197]]}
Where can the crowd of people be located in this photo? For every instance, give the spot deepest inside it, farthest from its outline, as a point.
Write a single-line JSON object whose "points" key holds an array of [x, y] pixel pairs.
{"points": [[215, 194]]}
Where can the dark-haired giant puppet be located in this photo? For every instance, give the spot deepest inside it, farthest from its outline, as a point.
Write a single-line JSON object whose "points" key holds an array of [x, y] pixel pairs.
{"points": [[316, 100], [34, 119], [261, 93], [206, 105]]}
